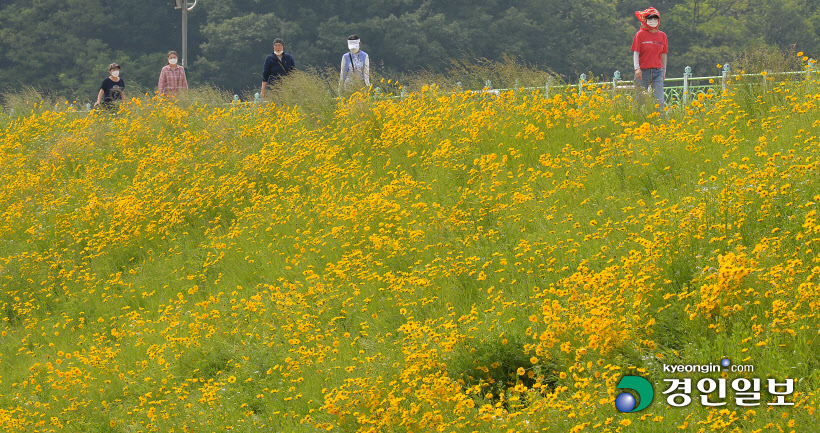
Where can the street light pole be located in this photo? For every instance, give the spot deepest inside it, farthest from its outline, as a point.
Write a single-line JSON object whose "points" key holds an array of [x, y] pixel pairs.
{"points": [[185, 6], [185, 36]]}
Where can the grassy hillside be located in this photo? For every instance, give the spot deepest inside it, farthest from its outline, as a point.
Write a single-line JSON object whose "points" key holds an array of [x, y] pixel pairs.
{"points": [[442, 262]]}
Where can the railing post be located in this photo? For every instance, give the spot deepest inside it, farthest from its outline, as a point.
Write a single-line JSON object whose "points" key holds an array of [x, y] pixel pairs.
{"points": [[235, 99], [725, 76], [616, 76], [548, 85], [257, 97], [687, 72], [488, 85], [581, 80], [808, 69], [459, 85]]}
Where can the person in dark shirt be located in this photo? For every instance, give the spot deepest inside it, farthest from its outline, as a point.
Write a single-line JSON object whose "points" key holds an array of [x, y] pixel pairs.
{"points": [[112, 88], [277, 65]]}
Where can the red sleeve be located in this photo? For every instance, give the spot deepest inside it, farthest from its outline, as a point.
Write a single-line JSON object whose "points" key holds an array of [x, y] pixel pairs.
{"points": [[636, 42], [665, 44]]}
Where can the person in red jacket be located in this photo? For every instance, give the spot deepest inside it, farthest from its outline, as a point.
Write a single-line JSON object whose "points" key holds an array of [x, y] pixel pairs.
{"points": [[649, 50]]}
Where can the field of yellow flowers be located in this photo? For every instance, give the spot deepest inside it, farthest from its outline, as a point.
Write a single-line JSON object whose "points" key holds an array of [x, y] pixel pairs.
{"points": [[441, 262]]}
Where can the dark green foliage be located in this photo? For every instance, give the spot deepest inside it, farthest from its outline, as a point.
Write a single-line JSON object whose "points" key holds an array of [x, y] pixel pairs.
{"points": [[493, 365], [205, 364]]}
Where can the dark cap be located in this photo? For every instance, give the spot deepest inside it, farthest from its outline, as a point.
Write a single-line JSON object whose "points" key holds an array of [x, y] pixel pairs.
{"points": [[113, 66]]}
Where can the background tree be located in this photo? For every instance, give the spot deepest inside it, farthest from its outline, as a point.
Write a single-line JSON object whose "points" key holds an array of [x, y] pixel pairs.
{"points": [[65, 45]]}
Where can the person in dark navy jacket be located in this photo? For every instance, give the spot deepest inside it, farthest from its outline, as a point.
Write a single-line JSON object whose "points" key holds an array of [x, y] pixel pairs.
{"points": [[277, 65]]}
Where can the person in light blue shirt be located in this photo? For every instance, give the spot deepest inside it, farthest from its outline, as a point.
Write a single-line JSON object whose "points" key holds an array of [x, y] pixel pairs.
{"points": [[355, 66]]}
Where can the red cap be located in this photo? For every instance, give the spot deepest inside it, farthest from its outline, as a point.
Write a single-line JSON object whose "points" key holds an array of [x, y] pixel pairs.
{"points": [[641, 15]]}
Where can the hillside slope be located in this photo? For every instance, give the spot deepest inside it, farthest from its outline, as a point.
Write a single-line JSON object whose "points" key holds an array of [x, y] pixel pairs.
{"points": [[448, 262]]}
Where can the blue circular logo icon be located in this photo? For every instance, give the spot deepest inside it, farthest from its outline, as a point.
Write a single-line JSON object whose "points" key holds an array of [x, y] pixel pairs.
{"points": [[725, 363], [625, 402]]}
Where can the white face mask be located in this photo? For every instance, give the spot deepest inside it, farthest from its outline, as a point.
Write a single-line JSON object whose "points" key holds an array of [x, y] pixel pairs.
{"points": [[115, 73], [353, 46], [172, 61], [278, 53], [652, 22]]}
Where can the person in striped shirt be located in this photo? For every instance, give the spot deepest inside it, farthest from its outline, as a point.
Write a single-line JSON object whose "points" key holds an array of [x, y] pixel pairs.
{"points": [[172, 77]]}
